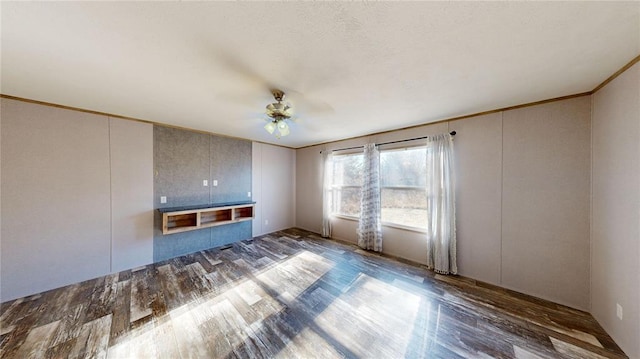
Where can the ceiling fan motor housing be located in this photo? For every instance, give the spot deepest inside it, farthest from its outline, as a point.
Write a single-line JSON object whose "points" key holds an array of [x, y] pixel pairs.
{"points": [[278, 110], [278, 94]]}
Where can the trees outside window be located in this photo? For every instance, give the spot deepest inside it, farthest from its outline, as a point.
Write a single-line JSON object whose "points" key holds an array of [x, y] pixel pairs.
{"points": [[403, 186], [402, 180]]}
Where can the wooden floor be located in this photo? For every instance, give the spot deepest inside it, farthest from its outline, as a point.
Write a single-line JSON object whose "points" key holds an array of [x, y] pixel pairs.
{"points": [[293, 295]]}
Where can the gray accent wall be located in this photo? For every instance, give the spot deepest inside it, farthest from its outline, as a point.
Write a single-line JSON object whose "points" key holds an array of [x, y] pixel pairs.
{"points": [[182, 161], [231, 167], [70, 207]]}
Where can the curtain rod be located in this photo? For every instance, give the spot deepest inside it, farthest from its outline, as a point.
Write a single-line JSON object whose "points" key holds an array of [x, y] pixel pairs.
{"points": [[452, 133]]}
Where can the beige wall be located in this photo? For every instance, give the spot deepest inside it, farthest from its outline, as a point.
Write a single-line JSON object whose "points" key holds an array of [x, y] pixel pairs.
{"points": [[273, 187], [533, 160], [545, 201], [55, 181], [79, 196], [615, 228], [309, 189], [131, 155], [61, 174], [478, 146]]}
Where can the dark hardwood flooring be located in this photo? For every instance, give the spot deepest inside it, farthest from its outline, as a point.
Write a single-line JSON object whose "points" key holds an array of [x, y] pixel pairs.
{"points": [[292, 294]]}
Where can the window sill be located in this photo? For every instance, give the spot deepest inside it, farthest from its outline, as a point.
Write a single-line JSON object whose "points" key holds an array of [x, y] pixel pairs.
{"points": [[344, 216], [384, 224], [405, 228]]}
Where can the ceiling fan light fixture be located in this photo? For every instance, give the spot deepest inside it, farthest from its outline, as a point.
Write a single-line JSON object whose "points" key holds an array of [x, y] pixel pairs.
{"points": [[270, 127], [279, 113], [283, 128]]}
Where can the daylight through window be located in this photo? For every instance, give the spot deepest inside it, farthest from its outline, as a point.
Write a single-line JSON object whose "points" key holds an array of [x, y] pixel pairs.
{"points": [[402, 181], [403, 186], [347, 181]]}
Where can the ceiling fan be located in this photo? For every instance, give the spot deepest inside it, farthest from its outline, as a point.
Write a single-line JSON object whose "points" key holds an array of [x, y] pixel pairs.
{"points": [[278, 113]]}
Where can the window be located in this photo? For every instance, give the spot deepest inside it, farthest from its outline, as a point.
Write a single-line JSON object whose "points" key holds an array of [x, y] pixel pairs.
{"points": [[347, 181], [403, 186]]}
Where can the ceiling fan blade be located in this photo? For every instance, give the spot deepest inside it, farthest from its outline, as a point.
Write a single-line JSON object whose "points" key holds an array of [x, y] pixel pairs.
{"points": [[309, 105], [254, 87], [240, 68], [311, 126], [240, 99]]}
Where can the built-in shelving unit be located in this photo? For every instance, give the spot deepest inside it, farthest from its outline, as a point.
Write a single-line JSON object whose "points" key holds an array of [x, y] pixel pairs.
{"points": [[182, 219]]}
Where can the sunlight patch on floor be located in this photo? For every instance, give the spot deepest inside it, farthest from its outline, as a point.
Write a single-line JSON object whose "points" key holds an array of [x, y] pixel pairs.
{"points": [[295, 275], [373, 316], [182, 331]]}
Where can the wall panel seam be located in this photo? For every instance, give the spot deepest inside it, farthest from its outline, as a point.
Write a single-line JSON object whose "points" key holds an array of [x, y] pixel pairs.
{"points": [[211, 187], [110, 197], [591, 107], [261, 205], [259, 174], [501, 193]]}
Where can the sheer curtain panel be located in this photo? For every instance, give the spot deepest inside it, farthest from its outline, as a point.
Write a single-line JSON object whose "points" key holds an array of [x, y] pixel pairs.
{"points": [[370, 224], [441, 210], [327, 180]]}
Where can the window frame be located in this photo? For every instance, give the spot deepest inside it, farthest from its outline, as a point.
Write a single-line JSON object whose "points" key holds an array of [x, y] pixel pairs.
{"points": [[335, 189]]}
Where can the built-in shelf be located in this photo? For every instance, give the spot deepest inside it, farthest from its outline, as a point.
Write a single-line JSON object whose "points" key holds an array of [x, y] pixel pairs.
{"points": [[182, 219]]}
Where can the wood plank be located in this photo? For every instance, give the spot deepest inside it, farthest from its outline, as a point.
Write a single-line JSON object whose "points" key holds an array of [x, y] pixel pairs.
{"points": [[70, 326], [189, 339], [37, 341], [293, 294], [139, 297], [93, 340], [121, 320]]}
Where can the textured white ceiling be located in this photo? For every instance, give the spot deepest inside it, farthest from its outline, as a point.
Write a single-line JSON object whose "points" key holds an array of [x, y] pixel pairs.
{"points": [[381, 66]]}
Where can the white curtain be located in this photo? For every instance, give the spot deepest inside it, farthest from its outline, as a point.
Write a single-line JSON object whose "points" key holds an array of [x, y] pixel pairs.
{"points": [[370, 224], [327, 181], [441, 209]]}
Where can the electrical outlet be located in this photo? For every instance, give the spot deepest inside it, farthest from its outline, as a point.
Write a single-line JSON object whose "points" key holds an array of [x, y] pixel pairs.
{"points": [[266, 222], [163, 199], [215, 183], [248, 194], [619, 311], [205, 183]]}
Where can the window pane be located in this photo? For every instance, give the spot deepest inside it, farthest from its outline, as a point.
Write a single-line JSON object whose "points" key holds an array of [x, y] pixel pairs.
{"points": [[347, 170], [405, 206], [348, 201], [347, 180], [403, 168], [403, 181]]}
